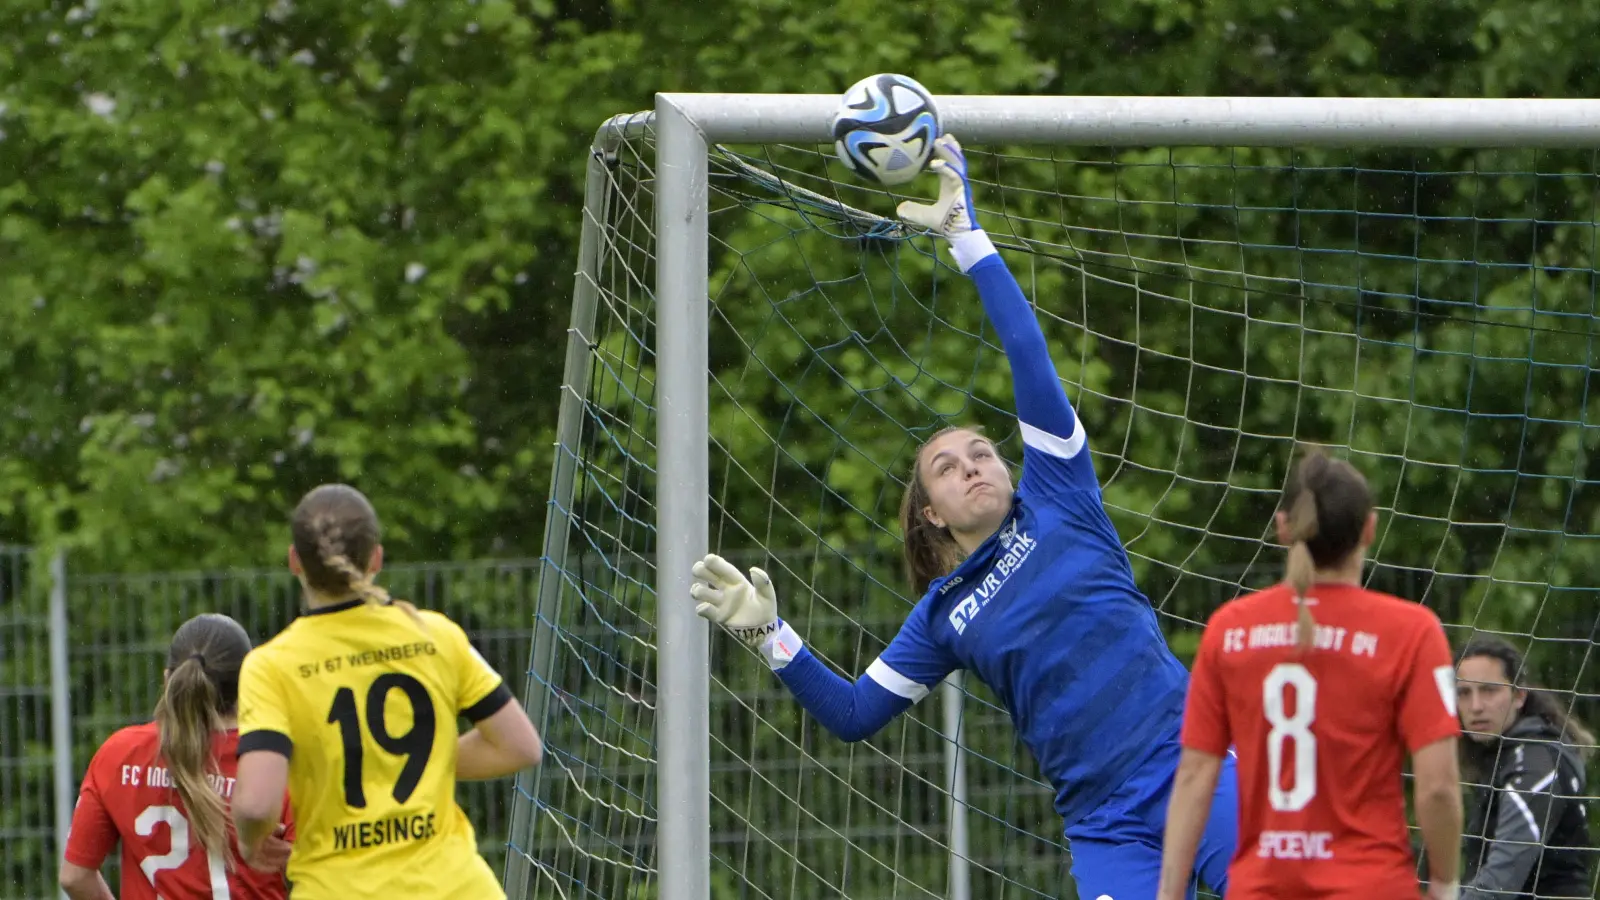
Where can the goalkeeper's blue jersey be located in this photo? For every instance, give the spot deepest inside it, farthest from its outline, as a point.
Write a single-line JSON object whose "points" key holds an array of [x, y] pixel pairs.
{"points": [[1046, 612]]}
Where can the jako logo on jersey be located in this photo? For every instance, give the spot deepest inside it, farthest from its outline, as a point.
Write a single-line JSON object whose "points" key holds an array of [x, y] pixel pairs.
{"points": [[1017, 549]]}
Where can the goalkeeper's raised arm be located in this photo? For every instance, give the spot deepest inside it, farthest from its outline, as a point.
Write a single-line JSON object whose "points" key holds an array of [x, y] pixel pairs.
{"points": [[1046, 417], [1027, 587]]}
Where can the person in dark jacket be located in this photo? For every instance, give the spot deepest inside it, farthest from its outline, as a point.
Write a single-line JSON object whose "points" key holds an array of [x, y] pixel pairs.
{"points": [[1527, 831]]}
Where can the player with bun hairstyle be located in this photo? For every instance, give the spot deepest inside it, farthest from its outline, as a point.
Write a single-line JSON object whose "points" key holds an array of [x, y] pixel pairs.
{"points": [[1322, 710], [1027, 587], [353, 708], [161, 789]]}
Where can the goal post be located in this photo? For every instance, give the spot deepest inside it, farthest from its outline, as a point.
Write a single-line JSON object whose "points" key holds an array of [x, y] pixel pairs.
{"points": [[683, 743], [569, 434], [685, 128]]}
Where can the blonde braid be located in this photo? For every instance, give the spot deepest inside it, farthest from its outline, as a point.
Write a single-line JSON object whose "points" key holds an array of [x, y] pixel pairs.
{"points": [[330, 545]]}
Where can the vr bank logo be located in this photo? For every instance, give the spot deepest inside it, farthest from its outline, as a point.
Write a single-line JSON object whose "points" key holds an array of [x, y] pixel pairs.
{"points": [[1017, 549]]}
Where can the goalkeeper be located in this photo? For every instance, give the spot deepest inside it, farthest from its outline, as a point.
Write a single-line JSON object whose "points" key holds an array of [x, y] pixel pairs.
{"points": [[1029, 588]]}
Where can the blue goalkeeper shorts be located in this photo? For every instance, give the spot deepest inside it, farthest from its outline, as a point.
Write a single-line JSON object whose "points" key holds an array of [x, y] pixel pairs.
{"points": [[1116, 850]]}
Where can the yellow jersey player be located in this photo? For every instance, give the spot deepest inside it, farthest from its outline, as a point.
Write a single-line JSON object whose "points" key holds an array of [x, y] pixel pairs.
{"points": [[353, 708]]}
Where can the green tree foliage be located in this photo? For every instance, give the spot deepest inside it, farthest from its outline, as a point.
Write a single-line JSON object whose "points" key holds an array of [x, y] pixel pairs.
{"points": [[256, 246]]}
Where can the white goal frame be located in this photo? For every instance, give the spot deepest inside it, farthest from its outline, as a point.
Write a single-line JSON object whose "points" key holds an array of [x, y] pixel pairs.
{"points": [[685, 127]]}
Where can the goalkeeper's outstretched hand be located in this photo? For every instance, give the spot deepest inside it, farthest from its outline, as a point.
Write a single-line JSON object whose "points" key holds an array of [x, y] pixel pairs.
{"points": [[953, 214], [747, 607]]}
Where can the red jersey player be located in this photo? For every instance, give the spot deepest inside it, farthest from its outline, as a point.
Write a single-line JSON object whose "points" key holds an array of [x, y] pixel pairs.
{"points": [[161, 789], [1322, 711]]}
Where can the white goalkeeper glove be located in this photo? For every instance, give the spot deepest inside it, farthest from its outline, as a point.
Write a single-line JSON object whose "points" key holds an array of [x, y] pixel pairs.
{"points": [[953, 216], [746, 607]]}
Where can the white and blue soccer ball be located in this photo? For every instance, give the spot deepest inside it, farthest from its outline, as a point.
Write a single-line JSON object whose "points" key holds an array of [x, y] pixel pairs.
{"points": [[885, 127]]}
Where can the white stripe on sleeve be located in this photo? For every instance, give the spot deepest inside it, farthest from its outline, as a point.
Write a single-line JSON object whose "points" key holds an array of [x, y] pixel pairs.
{"points": [[1066, 448], [894, 682], [1522, 805], [1543, 782], [1527, 813]]}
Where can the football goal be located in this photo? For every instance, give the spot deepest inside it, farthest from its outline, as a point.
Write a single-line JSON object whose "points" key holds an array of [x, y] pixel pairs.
{"points": [[757, 346]]}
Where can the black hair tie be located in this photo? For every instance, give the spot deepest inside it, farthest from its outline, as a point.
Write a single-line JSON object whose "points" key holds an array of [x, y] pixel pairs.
{"points": [[199, 658]]}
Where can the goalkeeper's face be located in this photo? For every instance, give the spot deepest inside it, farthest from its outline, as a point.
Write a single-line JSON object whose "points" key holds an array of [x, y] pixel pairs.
{"points": [[968, 486]]}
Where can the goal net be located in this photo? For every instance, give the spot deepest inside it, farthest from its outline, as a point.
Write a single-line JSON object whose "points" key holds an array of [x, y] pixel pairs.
{"points": [[1430, 314]]}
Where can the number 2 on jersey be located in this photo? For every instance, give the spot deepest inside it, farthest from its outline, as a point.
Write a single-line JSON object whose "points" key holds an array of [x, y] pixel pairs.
{"points": [[178, 835], [415, 745], [1285, 728]]}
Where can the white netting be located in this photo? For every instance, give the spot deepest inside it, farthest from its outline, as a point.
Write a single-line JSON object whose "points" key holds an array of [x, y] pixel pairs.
{"points": [[1430, 315]]}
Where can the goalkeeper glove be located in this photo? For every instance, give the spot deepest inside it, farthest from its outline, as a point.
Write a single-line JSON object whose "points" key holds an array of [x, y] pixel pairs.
{"points": [[953, 216], [746, 607]]}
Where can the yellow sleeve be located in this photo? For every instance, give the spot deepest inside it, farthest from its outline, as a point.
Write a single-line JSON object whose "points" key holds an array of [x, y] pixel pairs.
{"points": [[480, 691], [263, 708]]}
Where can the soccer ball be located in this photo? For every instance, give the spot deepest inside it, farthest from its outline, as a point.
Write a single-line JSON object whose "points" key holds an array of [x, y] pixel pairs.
{"points": [[885, 127]]}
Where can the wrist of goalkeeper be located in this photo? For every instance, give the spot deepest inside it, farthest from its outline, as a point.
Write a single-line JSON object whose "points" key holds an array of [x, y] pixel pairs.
{"points": [[970, 247], [777, 643]]}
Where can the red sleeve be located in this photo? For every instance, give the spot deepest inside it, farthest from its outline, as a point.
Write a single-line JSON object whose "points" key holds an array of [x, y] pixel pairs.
{"points": [[1205, 714], [93, 835], [1427, 703]]}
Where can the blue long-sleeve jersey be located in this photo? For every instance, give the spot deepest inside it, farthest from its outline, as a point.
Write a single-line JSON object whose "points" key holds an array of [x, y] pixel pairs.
{"points": [[1045, 611]]}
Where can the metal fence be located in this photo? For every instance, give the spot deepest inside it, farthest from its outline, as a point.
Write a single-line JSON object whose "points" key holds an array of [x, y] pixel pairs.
{"points": [[28, 781]]}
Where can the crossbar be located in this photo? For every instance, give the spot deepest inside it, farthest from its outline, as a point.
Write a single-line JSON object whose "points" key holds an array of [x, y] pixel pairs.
{"points": [[1160, 121]]}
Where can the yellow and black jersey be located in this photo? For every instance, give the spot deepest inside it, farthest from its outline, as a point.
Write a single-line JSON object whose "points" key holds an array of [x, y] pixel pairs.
{"points": [[363, 701]]}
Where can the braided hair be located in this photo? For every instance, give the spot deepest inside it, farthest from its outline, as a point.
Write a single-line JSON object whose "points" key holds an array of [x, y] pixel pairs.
{"points": [[333, 527]]}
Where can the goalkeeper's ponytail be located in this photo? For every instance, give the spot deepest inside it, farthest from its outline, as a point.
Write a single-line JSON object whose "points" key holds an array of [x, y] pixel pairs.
{"points": [[1327, 505], [930, 550]]}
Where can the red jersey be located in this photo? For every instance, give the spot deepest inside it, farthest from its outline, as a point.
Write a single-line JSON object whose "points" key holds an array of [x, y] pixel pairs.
{"points": [[128, 796], [1321, 736]]}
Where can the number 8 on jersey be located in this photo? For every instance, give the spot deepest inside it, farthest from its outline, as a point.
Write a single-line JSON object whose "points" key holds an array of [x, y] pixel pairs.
{"points": [[1290, 731]]}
